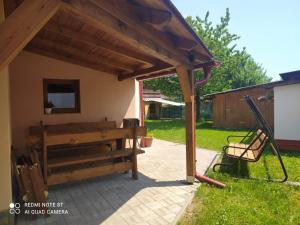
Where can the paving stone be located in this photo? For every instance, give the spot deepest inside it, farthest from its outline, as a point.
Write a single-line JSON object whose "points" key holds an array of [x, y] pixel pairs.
{"points": [[156, 198]]}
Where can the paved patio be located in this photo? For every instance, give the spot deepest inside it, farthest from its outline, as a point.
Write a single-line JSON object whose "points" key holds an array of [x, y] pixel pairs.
{"points": [[158, 197]]}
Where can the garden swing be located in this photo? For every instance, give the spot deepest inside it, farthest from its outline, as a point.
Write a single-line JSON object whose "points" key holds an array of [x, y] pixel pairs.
{"points": [[260, 138]]}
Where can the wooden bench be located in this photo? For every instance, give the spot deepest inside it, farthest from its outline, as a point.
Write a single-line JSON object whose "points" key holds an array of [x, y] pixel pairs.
{"points": [[72, 152], [249, 152]]}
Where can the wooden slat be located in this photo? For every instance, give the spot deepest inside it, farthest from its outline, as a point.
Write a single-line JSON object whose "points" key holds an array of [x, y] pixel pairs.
{"points": [[21, 26], [99, 43], [73, 127], [88, 156], [93, 15], [85, 173], [38, 187], [88, 137]]}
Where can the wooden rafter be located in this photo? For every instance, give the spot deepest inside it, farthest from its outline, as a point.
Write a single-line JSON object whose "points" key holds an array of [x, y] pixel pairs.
{"points": [[21, 26], [139, 36], [156, 75], [161, 39], [182, 43], [67, 53], [58, 56], [99, 43], [144, 72], [150, 15], [86, 54]]}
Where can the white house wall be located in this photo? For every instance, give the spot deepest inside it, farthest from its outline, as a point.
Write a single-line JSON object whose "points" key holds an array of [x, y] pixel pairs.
{"points": [[101, 95], [287, 112]]}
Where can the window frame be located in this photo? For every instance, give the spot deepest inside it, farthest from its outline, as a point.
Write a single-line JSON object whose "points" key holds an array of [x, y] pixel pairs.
{"points": [[74, 82]]}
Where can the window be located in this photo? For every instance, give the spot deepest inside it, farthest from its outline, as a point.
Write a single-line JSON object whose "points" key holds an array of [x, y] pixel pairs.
{"points": [[63, 94]]}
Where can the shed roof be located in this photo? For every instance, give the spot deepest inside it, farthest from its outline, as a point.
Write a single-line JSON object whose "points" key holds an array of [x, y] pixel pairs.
{"points": [[294, 75], [164, 101], [289, 79], [126, 38]]}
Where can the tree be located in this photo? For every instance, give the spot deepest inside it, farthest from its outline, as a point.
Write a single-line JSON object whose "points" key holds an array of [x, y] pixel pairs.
{"points": [[238, 68]]}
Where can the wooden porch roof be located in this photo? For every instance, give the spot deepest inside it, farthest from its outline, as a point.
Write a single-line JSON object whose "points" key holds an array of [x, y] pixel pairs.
{"points": [[126, 38]]}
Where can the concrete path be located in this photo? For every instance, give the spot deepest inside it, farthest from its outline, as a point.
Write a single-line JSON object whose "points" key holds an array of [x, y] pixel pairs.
{"points": [[158, 197]]}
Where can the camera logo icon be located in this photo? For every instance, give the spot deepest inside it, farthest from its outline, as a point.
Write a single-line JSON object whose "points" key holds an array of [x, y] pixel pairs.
{"points": [[14, 208]]}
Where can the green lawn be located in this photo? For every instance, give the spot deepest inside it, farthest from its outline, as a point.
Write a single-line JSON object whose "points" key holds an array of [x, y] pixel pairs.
{"points": [[244, 200], [174, 130]]}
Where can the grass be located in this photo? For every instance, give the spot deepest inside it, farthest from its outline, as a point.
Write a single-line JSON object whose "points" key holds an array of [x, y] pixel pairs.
{"points": [[243, 200], [206, 136]]}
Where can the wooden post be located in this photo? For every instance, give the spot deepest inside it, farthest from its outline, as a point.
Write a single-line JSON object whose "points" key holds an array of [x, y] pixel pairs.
{"points": [[134, 155], [186, 79], [45, 153], [142, 109], [5, 140], [190, 124]]}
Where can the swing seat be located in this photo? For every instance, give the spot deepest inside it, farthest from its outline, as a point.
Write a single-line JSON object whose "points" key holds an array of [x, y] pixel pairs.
{"points": [[258, 141], [235, 150], [249, 152]]}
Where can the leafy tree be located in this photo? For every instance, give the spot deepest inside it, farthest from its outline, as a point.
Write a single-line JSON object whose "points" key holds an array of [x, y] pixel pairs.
{"points": [[238, 68]]}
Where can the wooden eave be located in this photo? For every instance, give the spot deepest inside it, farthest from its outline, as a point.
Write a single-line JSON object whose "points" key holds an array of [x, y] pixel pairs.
{"points": [[126, 38]]}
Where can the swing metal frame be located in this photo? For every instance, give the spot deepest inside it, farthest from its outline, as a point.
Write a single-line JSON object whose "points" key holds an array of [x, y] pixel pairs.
{"points": [[263, 130]]}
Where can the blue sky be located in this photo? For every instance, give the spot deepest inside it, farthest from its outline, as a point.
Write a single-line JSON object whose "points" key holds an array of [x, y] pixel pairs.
{"points": [[269, 29]]}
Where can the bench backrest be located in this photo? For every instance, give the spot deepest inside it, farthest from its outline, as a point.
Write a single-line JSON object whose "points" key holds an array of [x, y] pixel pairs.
{"points": [[259, 142], [73, 127]]}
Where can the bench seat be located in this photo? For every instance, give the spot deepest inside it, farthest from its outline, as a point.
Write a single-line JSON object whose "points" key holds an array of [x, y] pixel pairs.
{"points": [[235, 150]]}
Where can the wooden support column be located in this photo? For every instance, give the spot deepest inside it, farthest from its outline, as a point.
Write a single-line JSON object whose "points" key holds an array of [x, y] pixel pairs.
{"points": [[190, 124], [134, 155], [5, 140], [186, 79], [22, 25]]}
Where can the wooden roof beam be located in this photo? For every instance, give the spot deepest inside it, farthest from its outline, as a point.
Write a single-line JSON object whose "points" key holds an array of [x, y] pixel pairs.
{"points": [[21, 26], [143, 72], [97, 57], [187, 85], [151, 16], [99, 43], [147, 40], [70, 54], [182, 43], [64, 58], [157, 75]]}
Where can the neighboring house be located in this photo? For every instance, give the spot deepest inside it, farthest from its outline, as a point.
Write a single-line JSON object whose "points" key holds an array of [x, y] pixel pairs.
{"points": [[287, 111], [86, 56], [157, 106]]}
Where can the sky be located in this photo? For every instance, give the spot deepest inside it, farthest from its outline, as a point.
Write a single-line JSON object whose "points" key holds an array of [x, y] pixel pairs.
{"points": [[269, 29]]}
